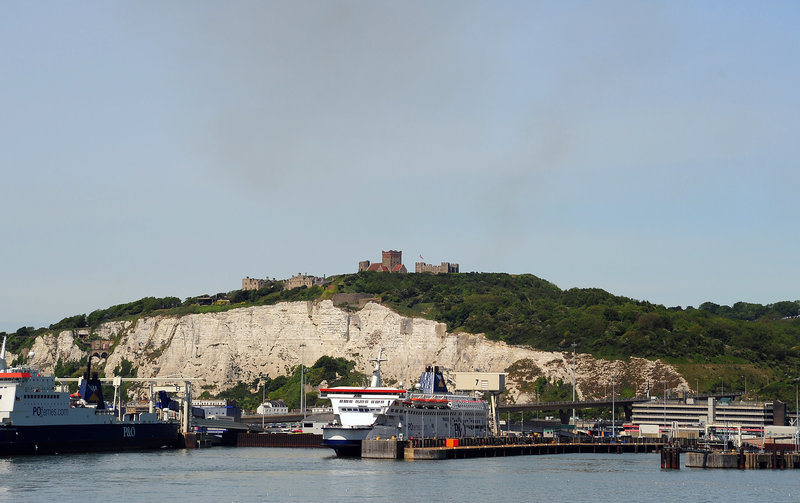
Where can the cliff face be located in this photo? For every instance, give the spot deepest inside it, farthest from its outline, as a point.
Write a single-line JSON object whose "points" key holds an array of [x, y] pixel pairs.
{"points": [[238, 345]]}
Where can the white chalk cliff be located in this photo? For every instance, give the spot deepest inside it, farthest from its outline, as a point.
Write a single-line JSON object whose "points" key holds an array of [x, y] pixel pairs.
{"points": [[239, 344]]}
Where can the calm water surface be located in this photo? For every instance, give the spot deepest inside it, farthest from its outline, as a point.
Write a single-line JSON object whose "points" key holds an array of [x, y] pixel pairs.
{"points": [[268, 474]]}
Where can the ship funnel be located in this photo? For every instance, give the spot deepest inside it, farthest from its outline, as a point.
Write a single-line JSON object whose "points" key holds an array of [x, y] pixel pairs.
{"points": [[432, 381], [91, 389]]}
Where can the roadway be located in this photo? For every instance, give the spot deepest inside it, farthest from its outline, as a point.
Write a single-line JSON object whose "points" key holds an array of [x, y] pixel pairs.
{"points": [[247, 423]]}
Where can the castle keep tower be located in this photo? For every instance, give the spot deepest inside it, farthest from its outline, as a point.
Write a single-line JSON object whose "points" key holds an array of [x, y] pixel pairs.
{"points": [[392, 259]]}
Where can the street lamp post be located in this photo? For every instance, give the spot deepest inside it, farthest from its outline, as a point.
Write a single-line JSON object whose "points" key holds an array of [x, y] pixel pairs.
{"points": [[574, 421], [263, 399], [796, 416], [665, 403], [613, 412], [302, 382]]}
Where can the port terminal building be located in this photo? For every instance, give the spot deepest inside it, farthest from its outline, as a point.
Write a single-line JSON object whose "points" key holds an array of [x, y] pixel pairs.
{"points": [[692, 415]]}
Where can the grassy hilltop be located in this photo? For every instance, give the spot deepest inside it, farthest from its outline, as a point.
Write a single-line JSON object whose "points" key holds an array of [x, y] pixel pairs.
{"points": [[711, 345]]}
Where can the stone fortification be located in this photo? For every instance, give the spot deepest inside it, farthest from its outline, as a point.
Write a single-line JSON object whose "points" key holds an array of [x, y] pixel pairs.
{"points": [[239, 344]]}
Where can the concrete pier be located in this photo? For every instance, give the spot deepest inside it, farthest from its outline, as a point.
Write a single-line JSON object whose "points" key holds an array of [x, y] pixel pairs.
{"points": [[711, 460], [776, 460], [382, 449]]}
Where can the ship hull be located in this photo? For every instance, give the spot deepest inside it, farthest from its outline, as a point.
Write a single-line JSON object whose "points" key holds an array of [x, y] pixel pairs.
{"points": [[52, 439], [344, 448], [345, 441]]}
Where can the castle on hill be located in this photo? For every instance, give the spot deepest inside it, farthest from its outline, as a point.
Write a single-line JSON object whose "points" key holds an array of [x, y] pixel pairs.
{"points": [[391, 261]]}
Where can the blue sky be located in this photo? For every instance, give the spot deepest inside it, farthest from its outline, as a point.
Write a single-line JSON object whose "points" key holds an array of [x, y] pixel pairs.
{"points": [[172, 148]]}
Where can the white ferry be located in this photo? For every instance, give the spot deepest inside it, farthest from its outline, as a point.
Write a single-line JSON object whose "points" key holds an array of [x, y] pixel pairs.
{"points": [[378, 411], [37, 419]]}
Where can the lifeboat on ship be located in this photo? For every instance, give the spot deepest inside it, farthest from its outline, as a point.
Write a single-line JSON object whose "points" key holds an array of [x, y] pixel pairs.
{"points": [[430, 402]]}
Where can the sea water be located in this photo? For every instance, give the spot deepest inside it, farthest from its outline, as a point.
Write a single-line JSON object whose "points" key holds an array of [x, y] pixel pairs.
{"points": [[222, 474]]}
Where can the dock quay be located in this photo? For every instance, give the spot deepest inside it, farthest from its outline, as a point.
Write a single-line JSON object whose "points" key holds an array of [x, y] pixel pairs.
{"points": [[488, 447], [774, 460]]}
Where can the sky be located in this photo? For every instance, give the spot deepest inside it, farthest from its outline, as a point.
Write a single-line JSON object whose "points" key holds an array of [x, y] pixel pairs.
{"points": [[172, 148]]}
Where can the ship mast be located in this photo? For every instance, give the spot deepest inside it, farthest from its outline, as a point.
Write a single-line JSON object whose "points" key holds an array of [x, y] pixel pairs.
{"points": [[3, 355], [376, 381]]}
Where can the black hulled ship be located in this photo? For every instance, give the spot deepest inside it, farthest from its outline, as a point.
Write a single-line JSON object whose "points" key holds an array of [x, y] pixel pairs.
{"points": [[35, 418]]}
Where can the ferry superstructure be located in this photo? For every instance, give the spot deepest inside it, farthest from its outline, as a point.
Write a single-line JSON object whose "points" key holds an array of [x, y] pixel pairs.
{"points": [[375, 410], [35, 418]]}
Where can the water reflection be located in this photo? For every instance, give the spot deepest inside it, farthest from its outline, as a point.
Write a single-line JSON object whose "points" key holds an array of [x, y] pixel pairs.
{"points": [[263, 474]]}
